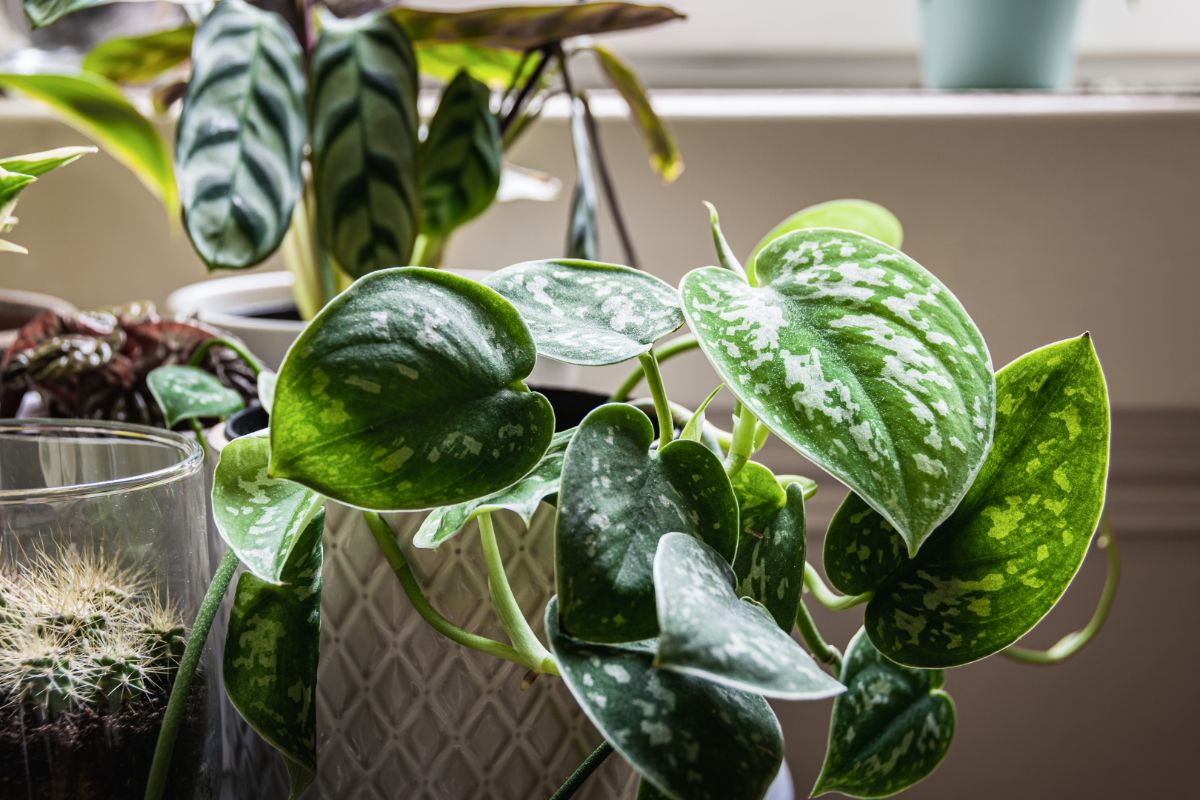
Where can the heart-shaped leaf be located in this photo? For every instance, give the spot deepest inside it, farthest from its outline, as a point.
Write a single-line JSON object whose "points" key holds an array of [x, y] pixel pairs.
{"points": [[460, 157], [862, 361], [618, 498], [134, 59], [241, 135], [522, 498], [364, 111], [890, 729], [664, 153], [528, 26], [770, 554], [1002, 561], [259, 517], [859, 216], [588, 313], [692, 738], [861, 549], [271, 649], [707, 631], [191, 393], [405, 393]]}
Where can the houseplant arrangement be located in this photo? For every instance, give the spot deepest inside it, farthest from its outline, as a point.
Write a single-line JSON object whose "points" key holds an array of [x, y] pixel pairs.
{"points": [[681, 562]]}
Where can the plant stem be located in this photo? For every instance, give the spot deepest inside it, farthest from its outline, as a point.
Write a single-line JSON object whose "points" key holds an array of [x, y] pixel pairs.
{"points": [[220, 341], [607, 183], [672, 348], [505, 602], [530, 84], [662, 407], [427, 252], [299, 256], [826, 596], [1073, 642], [821, 650], [199, 431], [412, 589], [583, 772], [156, 784], [742, 445]]}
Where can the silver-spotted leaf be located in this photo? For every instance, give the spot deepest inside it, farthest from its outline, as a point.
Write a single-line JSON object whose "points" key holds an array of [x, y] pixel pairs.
{"points": [[271, 650], [191, 393], [259, 517], [770, 554], [365, 147], [861, 549], [1009, 552], [241, 136], [691, 737], [460, 157], [862, 361], [706, 630], [617, 499], [522, 498], [405, 393], [584, 312], [890, 729], [859, 216]]}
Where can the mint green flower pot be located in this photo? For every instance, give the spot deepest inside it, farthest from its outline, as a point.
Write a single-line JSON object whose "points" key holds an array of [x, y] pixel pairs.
{"points": [[998, 44]]}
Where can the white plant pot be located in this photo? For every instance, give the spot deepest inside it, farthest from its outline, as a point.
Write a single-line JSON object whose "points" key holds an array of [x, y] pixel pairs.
{"points": [[228, 303]]}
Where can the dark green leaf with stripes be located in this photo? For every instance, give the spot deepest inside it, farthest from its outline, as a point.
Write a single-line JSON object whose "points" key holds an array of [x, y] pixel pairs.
{"points": [[241, 136]]}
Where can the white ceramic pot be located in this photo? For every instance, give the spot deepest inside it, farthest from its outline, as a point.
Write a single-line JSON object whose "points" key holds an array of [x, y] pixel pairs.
{"points": [[230, 303]]}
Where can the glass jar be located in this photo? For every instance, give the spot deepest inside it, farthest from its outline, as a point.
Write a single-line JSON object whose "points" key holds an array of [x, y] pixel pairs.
{"points": [[103, 563]]}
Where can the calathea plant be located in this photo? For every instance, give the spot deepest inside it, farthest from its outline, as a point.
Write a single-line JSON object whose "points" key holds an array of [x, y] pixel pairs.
{"points": [[681, 562]]}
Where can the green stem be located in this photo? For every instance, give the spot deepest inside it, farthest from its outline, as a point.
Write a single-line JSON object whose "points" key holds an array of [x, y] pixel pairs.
{"points": [[583, 772], [668, 350], [220, 341], [428, 250], [504, 601], [742, 445], [662, 407], [156, 784], [299, 256], [1073, 642], [826, 596], [412, 589], [199, 431], [821, 650]]}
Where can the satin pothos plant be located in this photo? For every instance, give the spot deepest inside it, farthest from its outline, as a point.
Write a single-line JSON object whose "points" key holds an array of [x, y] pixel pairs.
{"points": [[681, 562]]}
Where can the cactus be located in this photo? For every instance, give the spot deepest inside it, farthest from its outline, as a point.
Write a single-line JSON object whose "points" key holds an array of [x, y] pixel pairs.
{"points": [[79, 630]]}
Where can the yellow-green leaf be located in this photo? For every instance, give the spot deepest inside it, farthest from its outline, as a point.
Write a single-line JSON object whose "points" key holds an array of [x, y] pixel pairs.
{"points": [[665, 158], [134, 59]]}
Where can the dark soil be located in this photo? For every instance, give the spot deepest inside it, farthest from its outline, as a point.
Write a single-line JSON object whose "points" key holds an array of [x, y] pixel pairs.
{"points": [[97, 755], [286, 312]]}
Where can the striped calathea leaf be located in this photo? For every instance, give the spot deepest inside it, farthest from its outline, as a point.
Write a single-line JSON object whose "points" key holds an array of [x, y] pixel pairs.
{"points": [[617, 499], [585, 312], [522, 498], [271, 653], [707, 630], [405, 392], [688, 736], [1003, 559], [890, 729], [364, 141], [460, 157], [241, 135], [771, 546], [862, 361]]}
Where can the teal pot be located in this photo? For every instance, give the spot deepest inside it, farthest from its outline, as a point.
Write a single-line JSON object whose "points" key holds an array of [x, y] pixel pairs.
{"points": [[998, 44]]}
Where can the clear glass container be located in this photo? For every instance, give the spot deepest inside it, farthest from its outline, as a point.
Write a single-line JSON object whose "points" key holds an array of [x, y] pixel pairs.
{"points": [[103, 562]]}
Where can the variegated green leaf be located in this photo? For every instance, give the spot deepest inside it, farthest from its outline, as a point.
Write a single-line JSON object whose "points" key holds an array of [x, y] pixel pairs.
{"points": [[134, 59], [691, 737], [589, 313], [11, 186], [582, 234], [527, 26], [861, 549], [992, 571], [37, 164], [705, 630], [725, 256], [771, 551], [697, 426], [41, 13], [259, 517], [665, 158], [191, 393], [271, 652], [241, 136], [97, 108], [859, 216], [522, 498], [859, 359], [890, 729], [618, 497], [460, 158], [405, 393], [759, 496], [364, 111]]}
